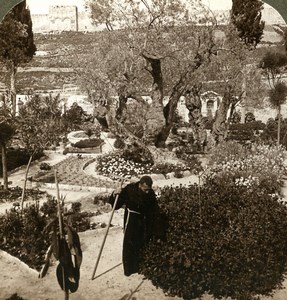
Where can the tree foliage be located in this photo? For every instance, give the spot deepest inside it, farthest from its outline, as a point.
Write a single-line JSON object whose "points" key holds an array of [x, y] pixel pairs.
{"points": [[160, 49], [39, 123], [246, 16], [18, 48]]}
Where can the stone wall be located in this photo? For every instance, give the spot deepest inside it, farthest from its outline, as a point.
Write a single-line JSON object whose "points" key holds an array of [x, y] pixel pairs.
{"points": [[63, 18]]}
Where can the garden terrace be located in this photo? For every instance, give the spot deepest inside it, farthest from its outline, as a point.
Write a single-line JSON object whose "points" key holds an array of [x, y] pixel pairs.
{"points": [[71, 171]]}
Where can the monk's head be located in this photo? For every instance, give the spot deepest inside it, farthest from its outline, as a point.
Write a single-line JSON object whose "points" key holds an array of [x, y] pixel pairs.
{"points": [[145, 184]]}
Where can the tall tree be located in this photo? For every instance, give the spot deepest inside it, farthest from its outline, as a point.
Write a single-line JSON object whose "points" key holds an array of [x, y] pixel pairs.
{"points": [[227, 68], [7, 130], [274, 65], [18, 48], [277, 97], [246, 17]]}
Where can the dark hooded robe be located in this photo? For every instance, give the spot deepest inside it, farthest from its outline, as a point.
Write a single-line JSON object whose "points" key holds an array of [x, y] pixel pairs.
{"points": [[139, 219]]}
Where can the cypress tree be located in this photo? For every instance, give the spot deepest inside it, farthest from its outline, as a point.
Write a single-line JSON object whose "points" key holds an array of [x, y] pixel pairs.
{"points": [[246, 17], [16, 44]]}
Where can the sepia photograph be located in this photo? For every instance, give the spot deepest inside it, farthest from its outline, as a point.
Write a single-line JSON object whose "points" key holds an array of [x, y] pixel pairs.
{"points": [[143, 150]]}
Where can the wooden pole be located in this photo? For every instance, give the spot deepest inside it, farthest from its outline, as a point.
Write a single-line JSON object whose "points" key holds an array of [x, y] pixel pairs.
{"points": [[62, 236], [106, 234], [105, 237]]}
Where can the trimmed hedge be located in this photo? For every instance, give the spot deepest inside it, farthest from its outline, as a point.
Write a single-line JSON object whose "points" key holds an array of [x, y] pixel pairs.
{"points": [[88, 143], [225, 241]]}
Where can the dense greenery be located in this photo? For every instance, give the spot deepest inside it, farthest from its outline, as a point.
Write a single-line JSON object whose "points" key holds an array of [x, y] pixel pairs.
{"points": [[246, 16], [24, 235], [18, 48], [225, 240]]}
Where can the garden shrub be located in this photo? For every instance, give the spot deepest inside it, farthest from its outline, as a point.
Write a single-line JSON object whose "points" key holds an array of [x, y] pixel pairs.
{"points": [[226, 151], [101, 199], [79, 220], [245, 132], [15, 297], [88, 143], [119, 144], [23, 235], [269, 134], [136, 155], [261, 166], [45, 166], [226, 240], [249, 117]]}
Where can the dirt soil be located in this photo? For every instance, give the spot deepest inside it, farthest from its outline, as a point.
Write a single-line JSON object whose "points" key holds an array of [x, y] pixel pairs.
{"points": [[109, 282]]}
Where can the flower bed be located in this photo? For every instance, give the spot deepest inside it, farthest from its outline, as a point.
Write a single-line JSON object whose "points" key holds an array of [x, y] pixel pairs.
{"points": [[261, 166], [116, 166]]}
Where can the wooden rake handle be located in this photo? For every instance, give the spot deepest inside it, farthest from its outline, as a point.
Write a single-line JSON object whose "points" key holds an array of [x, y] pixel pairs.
{"points": [[105, 237]]}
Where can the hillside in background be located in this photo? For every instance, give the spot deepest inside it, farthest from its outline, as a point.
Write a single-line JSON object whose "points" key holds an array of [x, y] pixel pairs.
{"points": [[51, 68]]}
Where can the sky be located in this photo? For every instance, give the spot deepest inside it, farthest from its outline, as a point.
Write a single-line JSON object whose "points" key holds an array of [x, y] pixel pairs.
{"points": [[41, 6]]}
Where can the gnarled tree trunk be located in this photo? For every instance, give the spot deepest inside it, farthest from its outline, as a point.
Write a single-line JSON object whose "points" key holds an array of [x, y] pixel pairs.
{"points": [[193, 104], [4, 166], [220, 125]]}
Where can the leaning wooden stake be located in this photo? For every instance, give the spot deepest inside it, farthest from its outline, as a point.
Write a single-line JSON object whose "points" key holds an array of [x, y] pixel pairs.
{"points": [[62, 235], [105, 237]]}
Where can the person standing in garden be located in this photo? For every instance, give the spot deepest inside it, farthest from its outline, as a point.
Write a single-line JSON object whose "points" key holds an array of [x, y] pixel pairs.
{"points": [[140, 217]]}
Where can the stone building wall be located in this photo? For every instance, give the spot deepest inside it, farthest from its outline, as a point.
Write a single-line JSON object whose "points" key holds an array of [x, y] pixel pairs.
{"points": [[63, 18]]}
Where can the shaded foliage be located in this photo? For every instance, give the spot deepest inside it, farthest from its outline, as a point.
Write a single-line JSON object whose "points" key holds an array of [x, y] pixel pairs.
{"points": [[233, 245], [246, 16]]}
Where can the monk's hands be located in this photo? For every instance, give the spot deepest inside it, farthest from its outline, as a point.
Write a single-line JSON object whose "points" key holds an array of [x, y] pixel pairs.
{"points": [[117, 191]]}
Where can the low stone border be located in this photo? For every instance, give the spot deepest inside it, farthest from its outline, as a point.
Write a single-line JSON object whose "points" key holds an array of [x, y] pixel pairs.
{"points": [[69, 187]]}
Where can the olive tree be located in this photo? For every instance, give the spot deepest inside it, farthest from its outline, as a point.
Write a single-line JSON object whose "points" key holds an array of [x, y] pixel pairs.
{"points": [[150, 48]]}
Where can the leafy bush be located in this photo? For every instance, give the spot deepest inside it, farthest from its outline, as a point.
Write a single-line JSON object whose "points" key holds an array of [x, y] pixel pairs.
{"points": [[15, 297], [137, 155], [45, 166], [261, 166], [269, 134], [119, 144], [77, 219], [225, 241], [88, 143], [245, 132], [226, 151], [23, 235], [249, 117]]}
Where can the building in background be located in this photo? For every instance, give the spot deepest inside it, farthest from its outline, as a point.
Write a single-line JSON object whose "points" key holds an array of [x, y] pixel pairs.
{"points": [[62, 18], [69, 18]]}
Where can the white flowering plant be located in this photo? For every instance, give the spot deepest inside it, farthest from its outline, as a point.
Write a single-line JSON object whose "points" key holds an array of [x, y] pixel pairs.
{"points": [[115, 166], [260, 166]]}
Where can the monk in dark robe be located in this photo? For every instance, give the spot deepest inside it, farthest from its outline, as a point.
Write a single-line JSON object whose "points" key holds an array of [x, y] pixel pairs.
{"points": [[141, 209]]}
